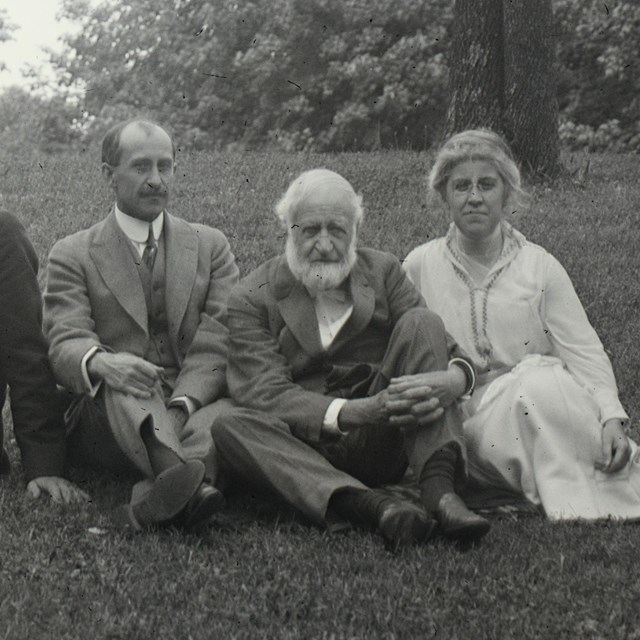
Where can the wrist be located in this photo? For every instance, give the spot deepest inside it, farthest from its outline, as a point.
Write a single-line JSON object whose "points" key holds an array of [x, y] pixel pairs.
{"points": [[457, 381], [94, 365], [358, 412]]}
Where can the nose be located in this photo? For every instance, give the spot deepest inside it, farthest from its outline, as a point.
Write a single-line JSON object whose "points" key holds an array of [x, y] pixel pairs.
{"points": [[153, 177], [324, 246], [475, 196]]}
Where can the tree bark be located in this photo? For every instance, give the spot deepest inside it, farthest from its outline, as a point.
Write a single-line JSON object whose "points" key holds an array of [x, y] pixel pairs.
{"points": [[530, 119], [502, 77], [476, 74]]}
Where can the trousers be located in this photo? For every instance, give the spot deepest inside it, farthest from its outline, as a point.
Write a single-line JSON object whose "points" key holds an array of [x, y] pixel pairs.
{"points": [[262, 451], [105, 432]]}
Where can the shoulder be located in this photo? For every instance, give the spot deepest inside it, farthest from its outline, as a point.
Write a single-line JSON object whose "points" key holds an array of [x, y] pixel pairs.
{"points": [[425, 250], [536, 255], [375, 260], [12, 233], [75, 240], [425, 257], [75, 244], [262, 286], [266, 275], [207, 235], [9, 224]]}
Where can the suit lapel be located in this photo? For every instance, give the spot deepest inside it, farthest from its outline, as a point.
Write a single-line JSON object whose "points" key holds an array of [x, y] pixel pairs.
{"points": [[181, 267], [297, 309], [364, 300], [112, 256]]}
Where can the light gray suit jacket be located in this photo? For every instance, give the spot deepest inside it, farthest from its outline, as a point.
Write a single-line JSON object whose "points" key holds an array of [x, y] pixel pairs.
{"points": [[94, 297]]}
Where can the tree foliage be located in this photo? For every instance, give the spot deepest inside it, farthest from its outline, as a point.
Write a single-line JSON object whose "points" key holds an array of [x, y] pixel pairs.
{"points": [[31, 122], [599, 79], [327, 74]]}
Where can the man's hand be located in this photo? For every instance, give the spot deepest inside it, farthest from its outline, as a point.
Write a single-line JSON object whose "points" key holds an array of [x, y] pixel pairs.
{"points": [[616, 449], [418, 399], [363, 412], [125, 372], [60, 489]]}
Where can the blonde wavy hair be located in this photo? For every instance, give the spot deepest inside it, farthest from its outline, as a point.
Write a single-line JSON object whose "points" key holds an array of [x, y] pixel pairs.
{"points": [[479, 144]]}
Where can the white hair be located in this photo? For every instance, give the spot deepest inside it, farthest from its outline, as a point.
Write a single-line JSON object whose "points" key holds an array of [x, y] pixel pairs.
{"points": [[305, 184]]}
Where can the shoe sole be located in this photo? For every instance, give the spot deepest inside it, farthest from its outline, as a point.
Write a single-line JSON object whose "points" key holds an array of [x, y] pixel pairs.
{"points": [[205, 510], [468, 533], [402, 534]]}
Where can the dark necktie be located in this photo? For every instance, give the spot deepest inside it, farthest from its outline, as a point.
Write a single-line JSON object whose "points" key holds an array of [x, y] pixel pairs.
{"points": [[150, 249]]}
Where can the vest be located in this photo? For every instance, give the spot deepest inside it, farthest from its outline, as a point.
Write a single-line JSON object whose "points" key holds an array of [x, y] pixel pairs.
{"points": [[158, 349]]}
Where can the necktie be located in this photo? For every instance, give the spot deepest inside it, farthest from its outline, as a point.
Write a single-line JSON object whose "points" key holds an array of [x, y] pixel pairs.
{"points": [[150, 249]]}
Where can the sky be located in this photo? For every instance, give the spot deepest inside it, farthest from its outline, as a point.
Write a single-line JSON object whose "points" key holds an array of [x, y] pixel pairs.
{"points": [[37, 27]]}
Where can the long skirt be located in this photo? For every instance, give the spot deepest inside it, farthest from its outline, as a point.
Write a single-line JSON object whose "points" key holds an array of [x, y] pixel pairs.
{"points": [[535, 430]]}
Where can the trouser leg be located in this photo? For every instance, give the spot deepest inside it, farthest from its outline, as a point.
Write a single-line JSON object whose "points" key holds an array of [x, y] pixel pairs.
{"points": [[262, 451], [418, 344], [108, 430], [90, 440]]}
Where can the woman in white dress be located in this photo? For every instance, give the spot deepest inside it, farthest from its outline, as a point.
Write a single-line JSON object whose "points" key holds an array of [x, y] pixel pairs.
{"points": [[545, 419]]}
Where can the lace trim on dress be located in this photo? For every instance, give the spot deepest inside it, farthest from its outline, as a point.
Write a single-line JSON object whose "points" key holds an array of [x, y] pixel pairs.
{"points": [[511, 244]]}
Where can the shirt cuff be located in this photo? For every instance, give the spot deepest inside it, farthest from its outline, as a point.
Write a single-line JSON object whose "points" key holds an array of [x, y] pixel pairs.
{"points": [[91, 388], [470, 374], [330, 426], [189, 405]]}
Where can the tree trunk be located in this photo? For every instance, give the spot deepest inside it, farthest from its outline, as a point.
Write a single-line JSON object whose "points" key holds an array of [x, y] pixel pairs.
{"points": [[476, 77], [501, 70], [530, 119]]}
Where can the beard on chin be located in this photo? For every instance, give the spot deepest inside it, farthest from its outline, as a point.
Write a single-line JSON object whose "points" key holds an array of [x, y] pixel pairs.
{"points": [[319, 276]]}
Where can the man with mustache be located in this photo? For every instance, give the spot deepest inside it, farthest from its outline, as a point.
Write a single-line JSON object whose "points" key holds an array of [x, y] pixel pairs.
{"points": [[135, 311], [324, 341]]}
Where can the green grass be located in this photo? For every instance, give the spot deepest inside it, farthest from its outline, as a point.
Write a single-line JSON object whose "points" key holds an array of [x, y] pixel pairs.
{"points": [[260, 572]]}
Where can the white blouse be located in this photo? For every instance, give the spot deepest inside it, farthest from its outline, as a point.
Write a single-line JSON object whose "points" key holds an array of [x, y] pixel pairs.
{"points": [[526, 305]]}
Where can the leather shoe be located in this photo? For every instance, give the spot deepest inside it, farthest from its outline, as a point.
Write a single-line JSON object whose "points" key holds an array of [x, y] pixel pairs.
{"points": [[206, 501], [403, 523], [168, 496], [458, 522]]}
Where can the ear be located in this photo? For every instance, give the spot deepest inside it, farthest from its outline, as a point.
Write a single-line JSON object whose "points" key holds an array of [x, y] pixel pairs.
{"points": [[107, 173]]}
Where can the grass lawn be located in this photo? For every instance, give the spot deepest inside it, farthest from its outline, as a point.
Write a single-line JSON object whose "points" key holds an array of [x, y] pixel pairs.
{"points": [[260, 572]]}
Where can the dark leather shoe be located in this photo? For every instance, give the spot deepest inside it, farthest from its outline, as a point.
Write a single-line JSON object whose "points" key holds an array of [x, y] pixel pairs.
{"points": [[168, 497], [458, 522], [403, 523], [206, 501]]}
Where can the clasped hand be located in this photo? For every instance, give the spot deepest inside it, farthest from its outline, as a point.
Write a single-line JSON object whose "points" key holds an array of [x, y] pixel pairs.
{"points": [[409, 401]]}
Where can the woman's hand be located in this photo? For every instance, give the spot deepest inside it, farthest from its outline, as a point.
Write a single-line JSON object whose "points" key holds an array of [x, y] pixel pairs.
{"points": [[616, 449]]}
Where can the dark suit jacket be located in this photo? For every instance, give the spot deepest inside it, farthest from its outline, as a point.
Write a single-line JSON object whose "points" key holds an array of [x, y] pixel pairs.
{"points": [[94, 297], [276, 360], [24, 366]]}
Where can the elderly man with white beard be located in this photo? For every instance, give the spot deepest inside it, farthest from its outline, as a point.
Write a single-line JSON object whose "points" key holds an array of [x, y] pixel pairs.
{"points": [[324, 341]]}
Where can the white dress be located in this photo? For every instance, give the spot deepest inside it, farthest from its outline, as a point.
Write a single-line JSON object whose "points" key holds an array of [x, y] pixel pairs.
{"points": [[534, 423]]}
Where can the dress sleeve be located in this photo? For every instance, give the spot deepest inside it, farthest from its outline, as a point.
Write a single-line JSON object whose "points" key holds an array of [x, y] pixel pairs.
{"points": [[576, 342]]}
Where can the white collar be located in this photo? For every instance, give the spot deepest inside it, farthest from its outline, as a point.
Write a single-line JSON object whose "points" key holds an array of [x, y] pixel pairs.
{"points": [[138, 230]]}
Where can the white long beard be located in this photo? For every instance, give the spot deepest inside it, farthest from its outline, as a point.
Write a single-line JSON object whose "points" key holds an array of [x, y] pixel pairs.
{"points": [[319, 276]]}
